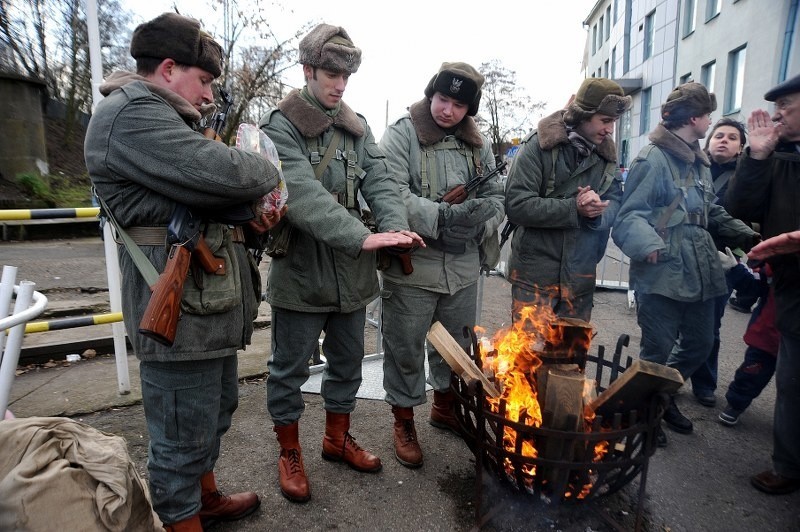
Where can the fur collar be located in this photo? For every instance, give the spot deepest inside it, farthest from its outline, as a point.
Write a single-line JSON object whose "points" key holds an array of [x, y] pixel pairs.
{"points": [[429, 132], [552, 131], [182, 106], [676, 146], [312, 122]]}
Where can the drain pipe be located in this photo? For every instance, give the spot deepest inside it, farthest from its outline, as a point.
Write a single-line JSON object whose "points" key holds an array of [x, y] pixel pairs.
{"points": [[791, 21]]}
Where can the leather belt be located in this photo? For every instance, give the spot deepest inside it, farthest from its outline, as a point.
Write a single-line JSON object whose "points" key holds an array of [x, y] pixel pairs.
{"points": [[157, 235], [696, 218]]}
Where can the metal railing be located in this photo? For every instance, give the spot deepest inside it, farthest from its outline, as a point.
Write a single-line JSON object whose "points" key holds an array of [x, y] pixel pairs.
{"points": [[15, 323], [114, 286]]}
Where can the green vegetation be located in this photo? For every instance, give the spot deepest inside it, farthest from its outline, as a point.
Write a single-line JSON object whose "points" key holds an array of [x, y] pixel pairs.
{"points": [[56, 191]]}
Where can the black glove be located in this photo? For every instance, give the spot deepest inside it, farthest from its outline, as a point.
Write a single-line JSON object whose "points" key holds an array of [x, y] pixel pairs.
{"points": [[471, 213]]}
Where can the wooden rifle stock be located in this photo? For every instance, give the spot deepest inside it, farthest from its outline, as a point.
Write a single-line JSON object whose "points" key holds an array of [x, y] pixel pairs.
{"points": [[405, 262], [206, 259], [460, 193], [160, 319]]}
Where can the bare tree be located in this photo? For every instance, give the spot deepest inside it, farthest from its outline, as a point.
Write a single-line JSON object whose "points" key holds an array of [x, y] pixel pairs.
{"points": [[511, 112], [23, 38]]}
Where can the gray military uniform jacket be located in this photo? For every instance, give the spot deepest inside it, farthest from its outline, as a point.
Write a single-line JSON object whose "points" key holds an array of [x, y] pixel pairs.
{"points": [[688, 267], [325, 269], [144, 157], [404, 143], [553, 245]]}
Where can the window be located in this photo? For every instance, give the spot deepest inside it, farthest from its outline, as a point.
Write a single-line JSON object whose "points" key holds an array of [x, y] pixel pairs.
{"points": [[713, 8], [688, 17], [594, 39], [735, 80], [600, 26], [707, 74], [605, 69], [611, 72], [644, 118], [608, 22], [686, 78], [649, 33], [616, 10]]}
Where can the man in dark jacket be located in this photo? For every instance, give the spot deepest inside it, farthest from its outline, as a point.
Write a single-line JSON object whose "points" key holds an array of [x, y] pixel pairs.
{"points": [[765, 190], [328, 274], [145, 157], [563, 192], [664, 225]]}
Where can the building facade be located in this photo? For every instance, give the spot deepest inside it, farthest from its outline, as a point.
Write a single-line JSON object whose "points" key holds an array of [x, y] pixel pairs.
{"points": [[737, 48]]}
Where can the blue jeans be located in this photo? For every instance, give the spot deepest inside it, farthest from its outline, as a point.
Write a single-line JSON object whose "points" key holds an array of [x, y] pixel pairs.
{"points": [[664, 321], [786, 427], [704, 380], [188, 407], [751, 378], [295, 337]]}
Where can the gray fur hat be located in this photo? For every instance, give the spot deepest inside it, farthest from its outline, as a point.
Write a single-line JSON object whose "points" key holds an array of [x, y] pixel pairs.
{"points": [[180, 38], [329, 47], [459, 81], [597, 95], [687, 101]]}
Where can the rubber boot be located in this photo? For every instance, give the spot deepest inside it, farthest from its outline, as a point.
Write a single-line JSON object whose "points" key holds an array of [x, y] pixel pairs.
{"points": [[291, 472], [218, 507], [338, 445], [443, 413], [191, 524], [406, 447]]}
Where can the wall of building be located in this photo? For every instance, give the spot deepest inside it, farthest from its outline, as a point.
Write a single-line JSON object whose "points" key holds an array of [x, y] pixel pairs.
{"points": [[23, 149]]}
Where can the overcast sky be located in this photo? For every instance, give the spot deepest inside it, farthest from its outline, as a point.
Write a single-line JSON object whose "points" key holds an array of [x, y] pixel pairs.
{"points": [[405, 42]]}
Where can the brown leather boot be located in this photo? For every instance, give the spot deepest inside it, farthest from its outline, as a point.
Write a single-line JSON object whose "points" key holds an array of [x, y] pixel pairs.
{"points": [[339, 445], [291, 472], [406, 447], [191, 524], [218, 507], [442, 412]]}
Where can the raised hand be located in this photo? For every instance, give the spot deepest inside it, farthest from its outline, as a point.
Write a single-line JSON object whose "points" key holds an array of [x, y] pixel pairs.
{"points": [[763, 136]]}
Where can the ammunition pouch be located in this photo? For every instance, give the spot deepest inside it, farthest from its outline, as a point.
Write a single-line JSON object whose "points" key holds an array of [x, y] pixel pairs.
{"points": [[207, 293]]}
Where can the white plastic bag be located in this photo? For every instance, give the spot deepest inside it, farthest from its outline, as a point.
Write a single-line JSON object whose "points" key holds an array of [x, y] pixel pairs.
{"points": [[250, 138]]}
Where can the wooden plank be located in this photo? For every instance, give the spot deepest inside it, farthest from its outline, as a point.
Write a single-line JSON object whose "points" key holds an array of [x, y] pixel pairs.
{"points": [[457, 359], [634, 387]]}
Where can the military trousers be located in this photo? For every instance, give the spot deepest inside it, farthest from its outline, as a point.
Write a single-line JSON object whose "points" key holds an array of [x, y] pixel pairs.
{"points": [[407, 314], [188, 406], [295, 337]]}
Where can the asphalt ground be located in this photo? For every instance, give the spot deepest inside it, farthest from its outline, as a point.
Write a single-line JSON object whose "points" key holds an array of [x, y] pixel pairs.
{"points": [[699, 482]]}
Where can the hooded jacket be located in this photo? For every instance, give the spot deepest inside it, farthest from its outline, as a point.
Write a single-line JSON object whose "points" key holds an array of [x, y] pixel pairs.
{"points": [[144, 157], [553, 246], [325, 269], [403, 143], [688, 267]]}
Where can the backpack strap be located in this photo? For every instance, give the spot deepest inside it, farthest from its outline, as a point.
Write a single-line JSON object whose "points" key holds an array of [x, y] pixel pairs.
{"points": [[321, 157], [428, 169]]}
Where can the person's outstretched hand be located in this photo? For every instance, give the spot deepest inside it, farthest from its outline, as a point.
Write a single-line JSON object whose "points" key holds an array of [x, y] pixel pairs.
{"points": [[777, 245]]}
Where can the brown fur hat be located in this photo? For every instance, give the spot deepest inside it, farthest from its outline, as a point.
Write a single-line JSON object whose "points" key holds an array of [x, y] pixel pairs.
{"points": [[330, 47], [179, 38], [459, 81], [687, 101], [596, 95]]}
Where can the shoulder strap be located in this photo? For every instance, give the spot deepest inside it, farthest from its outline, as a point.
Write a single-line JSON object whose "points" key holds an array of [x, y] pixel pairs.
{"points": [[661, 223], [321, 164], [428, 172], [143, 264]]}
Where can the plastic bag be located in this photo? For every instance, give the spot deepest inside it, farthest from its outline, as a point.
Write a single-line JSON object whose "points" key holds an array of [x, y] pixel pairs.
{"points": [[250, 138]]}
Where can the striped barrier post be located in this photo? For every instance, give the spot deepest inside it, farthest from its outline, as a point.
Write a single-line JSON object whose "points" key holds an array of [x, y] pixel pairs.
{"points": [[70, 323]]}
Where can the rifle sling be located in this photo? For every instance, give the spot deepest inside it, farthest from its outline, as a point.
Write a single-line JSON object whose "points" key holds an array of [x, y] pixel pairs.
{"points": [[143, 264]]}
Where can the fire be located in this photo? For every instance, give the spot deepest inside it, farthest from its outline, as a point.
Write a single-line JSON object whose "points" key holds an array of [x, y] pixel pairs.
{"points": [[512, 357]]}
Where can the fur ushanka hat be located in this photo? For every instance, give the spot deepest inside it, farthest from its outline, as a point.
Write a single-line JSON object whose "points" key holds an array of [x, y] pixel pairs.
{"points": [[330, 48], [459, 81], [687, 101], [597, 95], [179, 38]]}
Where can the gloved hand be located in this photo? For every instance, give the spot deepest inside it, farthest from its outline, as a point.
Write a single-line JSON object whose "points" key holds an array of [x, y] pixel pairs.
{"points": [[454, 238], [727, 259], [471, 213]]}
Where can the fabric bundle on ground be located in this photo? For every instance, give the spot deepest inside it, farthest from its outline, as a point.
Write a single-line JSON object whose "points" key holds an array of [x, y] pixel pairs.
{"points": [[59, 473]]}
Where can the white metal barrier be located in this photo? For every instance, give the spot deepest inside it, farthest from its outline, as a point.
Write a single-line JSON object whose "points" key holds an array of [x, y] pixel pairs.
{"points": [[23, 312]]}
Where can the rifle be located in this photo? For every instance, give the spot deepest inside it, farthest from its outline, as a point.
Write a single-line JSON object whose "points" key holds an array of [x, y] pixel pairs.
{"points": [[460, 193], [160, 319], [506, 232]]}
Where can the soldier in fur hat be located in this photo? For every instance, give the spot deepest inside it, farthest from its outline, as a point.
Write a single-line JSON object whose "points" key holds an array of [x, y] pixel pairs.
{"points": [[435, 147], [328, 274], [665, 226], [137, 145], [764, 190], [562, 193]]}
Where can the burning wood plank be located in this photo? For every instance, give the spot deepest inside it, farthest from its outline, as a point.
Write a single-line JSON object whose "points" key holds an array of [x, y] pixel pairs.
{"points": [[458, 360], [635, 386]]}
